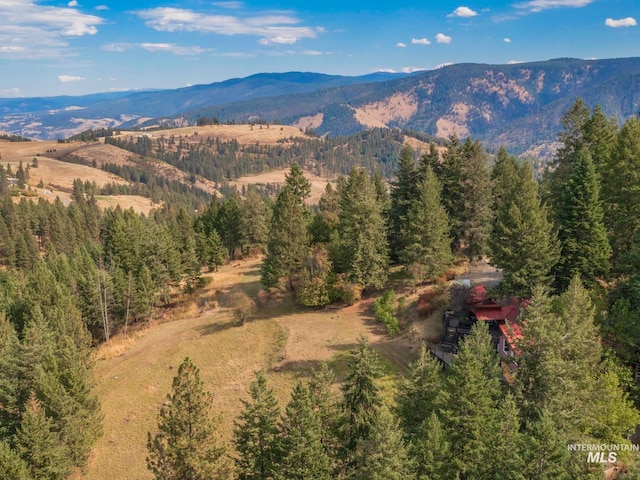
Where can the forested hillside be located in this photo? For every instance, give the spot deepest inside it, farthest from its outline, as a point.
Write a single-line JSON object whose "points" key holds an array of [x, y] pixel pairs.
{"points": [[568, 247]]}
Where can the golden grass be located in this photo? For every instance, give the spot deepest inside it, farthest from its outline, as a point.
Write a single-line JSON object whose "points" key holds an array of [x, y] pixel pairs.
{"points": [[244, 134], [134, 374]]}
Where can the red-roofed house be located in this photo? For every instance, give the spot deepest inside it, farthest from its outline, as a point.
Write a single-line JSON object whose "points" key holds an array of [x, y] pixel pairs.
{"points": [[502, 318]]}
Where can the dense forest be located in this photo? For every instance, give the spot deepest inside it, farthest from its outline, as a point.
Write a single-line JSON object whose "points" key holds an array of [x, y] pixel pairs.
{"points": [[74, 276], [375, 150]]}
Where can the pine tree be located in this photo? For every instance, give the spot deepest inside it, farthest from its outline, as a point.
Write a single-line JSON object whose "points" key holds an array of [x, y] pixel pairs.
{"points": [[383, 455], [191, 265], [417, 392], [255, 221], [256, 433], [546, 455], [288, 242], [426, 243], [298, 183], [39, 444], [186, 444], [303, 454], [12, 467], [469, 401], [508, 442], [324, 403], [361, 398], [403, 192], [360, 251], [584, 244], [431, 450], [621, 198], [522, 241], [539, 382], [475, 216]]}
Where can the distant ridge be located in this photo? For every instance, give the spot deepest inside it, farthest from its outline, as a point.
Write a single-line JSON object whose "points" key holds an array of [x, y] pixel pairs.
{"points": [[519, 105]]}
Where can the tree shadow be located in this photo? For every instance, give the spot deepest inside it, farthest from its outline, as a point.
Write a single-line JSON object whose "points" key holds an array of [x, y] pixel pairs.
{"points": [[298, 366], [213, 328]]}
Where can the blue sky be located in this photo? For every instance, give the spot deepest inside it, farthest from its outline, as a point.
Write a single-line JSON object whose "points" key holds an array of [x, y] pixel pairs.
{"points": [[86, 46]]}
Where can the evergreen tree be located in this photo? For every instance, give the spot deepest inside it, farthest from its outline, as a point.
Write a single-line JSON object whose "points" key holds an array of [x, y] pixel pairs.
{"points": [[303, 454], [186, 444], [508, 442], [539, 382], [191, 265], [12, 467], [522, 241], [255, 221], [324, 403], [571, 137], [417, 392], [546, 455], [360, 251], [39, 444], [383, 454], [288, 242], [475, 216], [425, 231], [325, 220], [621, 198], [430, 159], [256, 433], [584, 244], [403, 192], [431, 451], [469, 401], [298, 183], [361, 398]]}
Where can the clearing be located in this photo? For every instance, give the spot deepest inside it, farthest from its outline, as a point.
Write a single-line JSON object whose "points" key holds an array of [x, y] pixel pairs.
{"points": [[245, 134], [318, 183], [134, 375]]}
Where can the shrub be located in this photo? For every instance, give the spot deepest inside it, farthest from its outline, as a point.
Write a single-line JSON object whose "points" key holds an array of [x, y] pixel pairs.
{"points": [[384, 309]]}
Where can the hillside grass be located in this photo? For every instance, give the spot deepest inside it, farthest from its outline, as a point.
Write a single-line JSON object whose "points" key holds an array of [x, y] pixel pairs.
{"points": [[134, 375]]}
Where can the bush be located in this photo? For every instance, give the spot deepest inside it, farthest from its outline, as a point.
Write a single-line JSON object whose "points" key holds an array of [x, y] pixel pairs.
{"points": [[384, 309], [346, 291]]}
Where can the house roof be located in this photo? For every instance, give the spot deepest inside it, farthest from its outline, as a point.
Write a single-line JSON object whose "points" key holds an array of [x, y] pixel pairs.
{"points": [[512, 333], [496, 312]]}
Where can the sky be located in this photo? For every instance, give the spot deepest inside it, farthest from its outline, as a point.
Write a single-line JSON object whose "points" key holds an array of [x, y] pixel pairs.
{"points": [[77, 47]]}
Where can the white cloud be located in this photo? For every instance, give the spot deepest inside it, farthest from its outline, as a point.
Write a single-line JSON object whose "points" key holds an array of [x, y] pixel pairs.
{"points": [[116, 47], [413, 69], [463, 12], [401, 45], [314, 53], [539, 5], [442, 65], [172, 48], [72, 3], [272, 28], [420, 41], [102, 7], [514, 62], [386, 70], [506, 40], [442, 38], [623, 22], [230, 5], [29, 30], [69, 78], [11, 92]]}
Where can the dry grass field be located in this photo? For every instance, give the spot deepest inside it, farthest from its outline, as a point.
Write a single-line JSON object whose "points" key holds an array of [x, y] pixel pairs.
{"points": [[244, 134], [134, 375], [318, 183]]}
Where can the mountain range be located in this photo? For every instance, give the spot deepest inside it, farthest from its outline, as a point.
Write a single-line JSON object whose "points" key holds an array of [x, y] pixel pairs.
{"points": [[518, 105]]}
